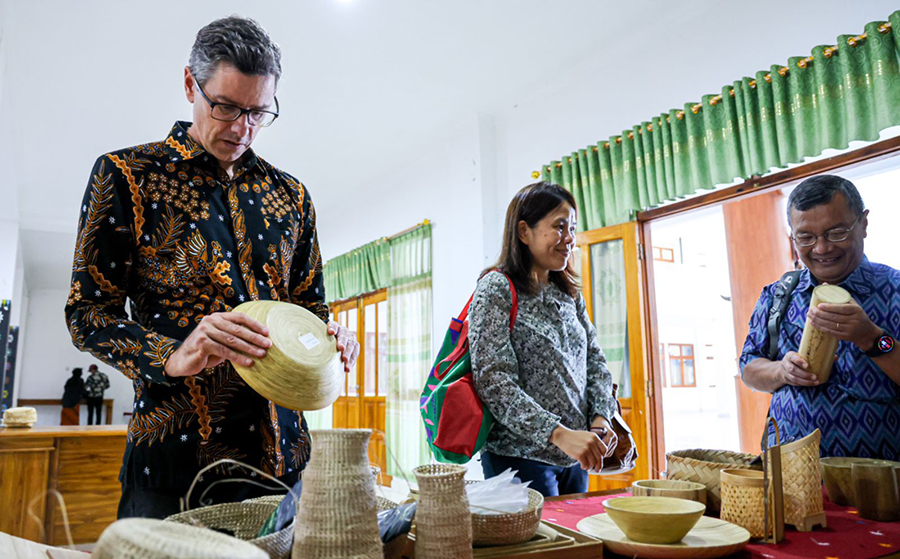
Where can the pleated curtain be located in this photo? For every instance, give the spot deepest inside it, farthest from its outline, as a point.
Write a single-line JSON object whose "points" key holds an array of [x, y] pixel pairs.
{"points": [[840, 93]]}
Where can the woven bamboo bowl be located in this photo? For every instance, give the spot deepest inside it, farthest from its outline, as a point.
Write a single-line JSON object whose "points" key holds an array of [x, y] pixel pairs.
{"points": [[508, 529], [690, 490], [656, 520], [838, 478]]}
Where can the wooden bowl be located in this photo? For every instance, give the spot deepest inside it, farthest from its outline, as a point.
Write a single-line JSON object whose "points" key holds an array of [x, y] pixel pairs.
{"points": [[690, 490], [660, 520], [838, 478]]}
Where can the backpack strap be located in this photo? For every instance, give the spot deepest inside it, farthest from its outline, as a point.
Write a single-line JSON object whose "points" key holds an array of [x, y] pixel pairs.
{"points": [[780, 302]]}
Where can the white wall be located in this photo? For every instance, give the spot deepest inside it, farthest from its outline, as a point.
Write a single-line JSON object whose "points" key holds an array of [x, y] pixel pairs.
{"points": [[442, 185], [48, 357]]}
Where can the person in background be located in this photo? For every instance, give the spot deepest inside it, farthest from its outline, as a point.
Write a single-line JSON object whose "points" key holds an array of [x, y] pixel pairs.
{"points": [[94, 386], [546, 381], [72, 394], [858, 408]]}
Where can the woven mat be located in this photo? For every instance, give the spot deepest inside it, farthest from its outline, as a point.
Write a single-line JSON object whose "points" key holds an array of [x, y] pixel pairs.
{"points": [[847, 535]]}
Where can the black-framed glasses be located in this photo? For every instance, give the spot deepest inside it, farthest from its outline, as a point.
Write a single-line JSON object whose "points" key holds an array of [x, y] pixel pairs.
{"points": [[837, 235], [230, 113]]}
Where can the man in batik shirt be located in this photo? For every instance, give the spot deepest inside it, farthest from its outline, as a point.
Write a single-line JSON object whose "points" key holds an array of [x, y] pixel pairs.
{"points": [[858, 408], [186, 229]]}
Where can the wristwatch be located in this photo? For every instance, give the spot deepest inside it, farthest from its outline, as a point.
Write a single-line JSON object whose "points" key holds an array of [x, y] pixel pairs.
{"points": [[883, 344]]}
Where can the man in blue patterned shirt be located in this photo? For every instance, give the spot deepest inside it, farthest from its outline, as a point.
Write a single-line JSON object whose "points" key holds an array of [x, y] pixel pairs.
{"points": [[858, 407]]}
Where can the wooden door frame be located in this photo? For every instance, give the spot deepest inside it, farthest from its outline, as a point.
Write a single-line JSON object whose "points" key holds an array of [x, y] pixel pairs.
{"points": [[639, 401], [872, 153]]}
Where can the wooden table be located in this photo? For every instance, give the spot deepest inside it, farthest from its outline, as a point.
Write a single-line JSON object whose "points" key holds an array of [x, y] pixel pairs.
{"points": [[81, 462], [107, 405]]}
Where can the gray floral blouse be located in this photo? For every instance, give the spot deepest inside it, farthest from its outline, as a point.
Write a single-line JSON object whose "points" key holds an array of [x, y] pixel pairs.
{"points": [[548, 371]]}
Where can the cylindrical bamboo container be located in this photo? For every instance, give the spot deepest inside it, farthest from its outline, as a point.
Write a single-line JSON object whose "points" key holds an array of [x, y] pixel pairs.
{"points": [[742, 501], [443, 520], [337, 517], [818, 347], [877, 494]]}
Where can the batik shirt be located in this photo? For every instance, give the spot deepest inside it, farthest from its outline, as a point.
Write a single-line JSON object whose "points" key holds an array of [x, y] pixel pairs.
{"points": [[95, 385], [858, 408], [549, 371], [163, 226]]}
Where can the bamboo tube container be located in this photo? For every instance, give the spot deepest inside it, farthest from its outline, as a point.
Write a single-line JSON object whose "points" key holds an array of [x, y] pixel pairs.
{"points": [[817, 347]]}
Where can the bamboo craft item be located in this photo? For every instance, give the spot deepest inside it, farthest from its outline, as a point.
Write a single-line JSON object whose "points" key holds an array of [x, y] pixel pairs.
{"points": [[508, 528], [703, 466], [876, 489], [145, 538], [244, 520], [302, 369], [744, 503], [803, 503], [443, 520], [690, 490], [773, 484], [19, 417], [337, 513], [817, 347]]}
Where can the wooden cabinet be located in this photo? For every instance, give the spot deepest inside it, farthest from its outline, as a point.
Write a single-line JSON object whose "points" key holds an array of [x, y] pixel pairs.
{"points": [[81, 462]]}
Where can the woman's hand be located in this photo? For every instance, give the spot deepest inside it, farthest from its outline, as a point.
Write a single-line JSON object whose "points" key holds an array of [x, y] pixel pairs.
{"points": [[584, 446]]}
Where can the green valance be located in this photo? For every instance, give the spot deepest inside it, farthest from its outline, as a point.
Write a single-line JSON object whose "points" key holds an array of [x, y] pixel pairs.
{"points": [[362, 270], [841, 93], [368, 268]]}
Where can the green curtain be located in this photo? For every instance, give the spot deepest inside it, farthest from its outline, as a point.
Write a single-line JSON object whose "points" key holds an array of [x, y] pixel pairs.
{"points": [[359, 271], [409, 349], [610, 304], [844, 92]]}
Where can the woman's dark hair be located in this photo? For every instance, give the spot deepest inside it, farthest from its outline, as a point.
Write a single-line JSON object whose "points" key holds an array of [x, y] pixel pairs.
{"points": [[532, 204], [76, 372]]}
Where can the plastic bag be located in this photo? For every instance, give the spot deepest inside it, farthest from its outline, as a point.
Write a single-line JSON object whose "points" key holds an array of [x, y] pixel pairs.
{"points": [[396, 522], [502, 494]]}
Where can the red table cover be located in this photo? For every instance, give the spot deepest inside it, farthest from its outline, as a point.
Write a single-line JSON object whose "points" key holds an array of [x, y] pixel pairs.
{"points": [[847, 537]]}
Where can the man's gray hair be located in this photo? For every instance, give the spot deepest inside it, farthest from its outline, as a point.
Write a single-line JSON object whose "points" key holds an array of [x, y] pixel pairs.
{"points": [[238, 41], [819, 190]]}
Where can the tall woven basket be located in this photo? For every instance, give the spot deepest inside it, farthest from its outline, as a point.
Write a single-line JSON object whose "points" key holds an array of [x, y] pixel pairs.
{"points": [[443, 520], [703, 466], [337, 514], [803, 506], [244, 521]]}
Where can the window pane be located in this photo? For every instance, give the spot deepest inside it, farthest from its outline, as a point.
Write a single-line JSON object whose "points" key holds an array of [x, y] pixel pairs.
{"points": [[353, 325], [674, 350], [687, 350], [382, 348], [611, 309], [689, 372], [370, 353], [675, 371]]}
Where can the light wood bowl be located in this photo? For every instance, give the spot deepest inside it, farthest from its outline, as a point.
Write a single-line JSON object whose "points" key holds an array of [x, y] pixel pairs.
{"points": [[661, 520], [838, 478], [690, 490]]}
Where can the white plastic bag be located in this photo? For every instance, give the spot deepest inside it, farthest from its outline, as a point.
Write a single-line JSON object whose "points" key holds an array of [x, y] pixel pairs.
{"points": [[502, 494]]}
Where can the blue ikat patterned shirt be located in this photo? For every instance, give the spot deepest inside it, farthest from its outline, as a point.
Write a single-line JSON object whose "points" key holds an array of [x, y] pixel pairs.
{"points": [[858, 409]]}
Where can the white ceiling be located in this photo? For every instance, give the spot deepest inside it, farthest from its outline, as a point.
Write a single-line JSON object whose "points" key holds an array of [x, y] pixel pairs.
{"points": [[367, 84]]}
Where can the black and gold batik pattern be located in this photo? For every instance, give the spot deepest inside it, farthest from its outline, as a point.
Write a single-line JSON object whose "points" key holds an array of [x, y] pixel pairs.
{"points": [[164, 227]]}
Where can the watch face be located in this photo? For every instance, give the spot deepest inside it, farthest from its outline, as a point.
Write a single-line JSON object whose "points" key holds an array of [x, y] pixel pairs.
{"points": [[885, 344]]}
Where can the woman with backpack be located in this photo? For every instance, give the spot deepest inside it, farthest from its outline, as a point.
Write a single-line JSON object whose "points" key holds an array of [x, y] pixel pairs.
{"points": [[545, 379]]}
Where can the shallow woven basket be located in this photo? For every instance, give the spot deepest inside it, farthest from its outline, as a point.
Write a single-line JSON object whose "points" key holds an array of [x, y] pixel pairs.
{"points": [[802, 481], [703, 466], [148, 538], [511, 528], [743, 503], [243, 520]]}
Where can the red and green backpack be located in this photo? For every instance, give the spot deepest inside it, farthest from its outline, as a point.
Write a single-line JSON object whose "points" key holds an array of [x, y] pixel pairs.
{"points": [[457, 423]]}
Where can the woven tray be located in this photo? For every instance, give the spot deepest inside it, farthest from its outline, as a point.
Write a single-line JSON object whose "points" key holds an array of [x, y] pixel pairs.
{"points": [[508, 529], [703, 466], [243, 520]]}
